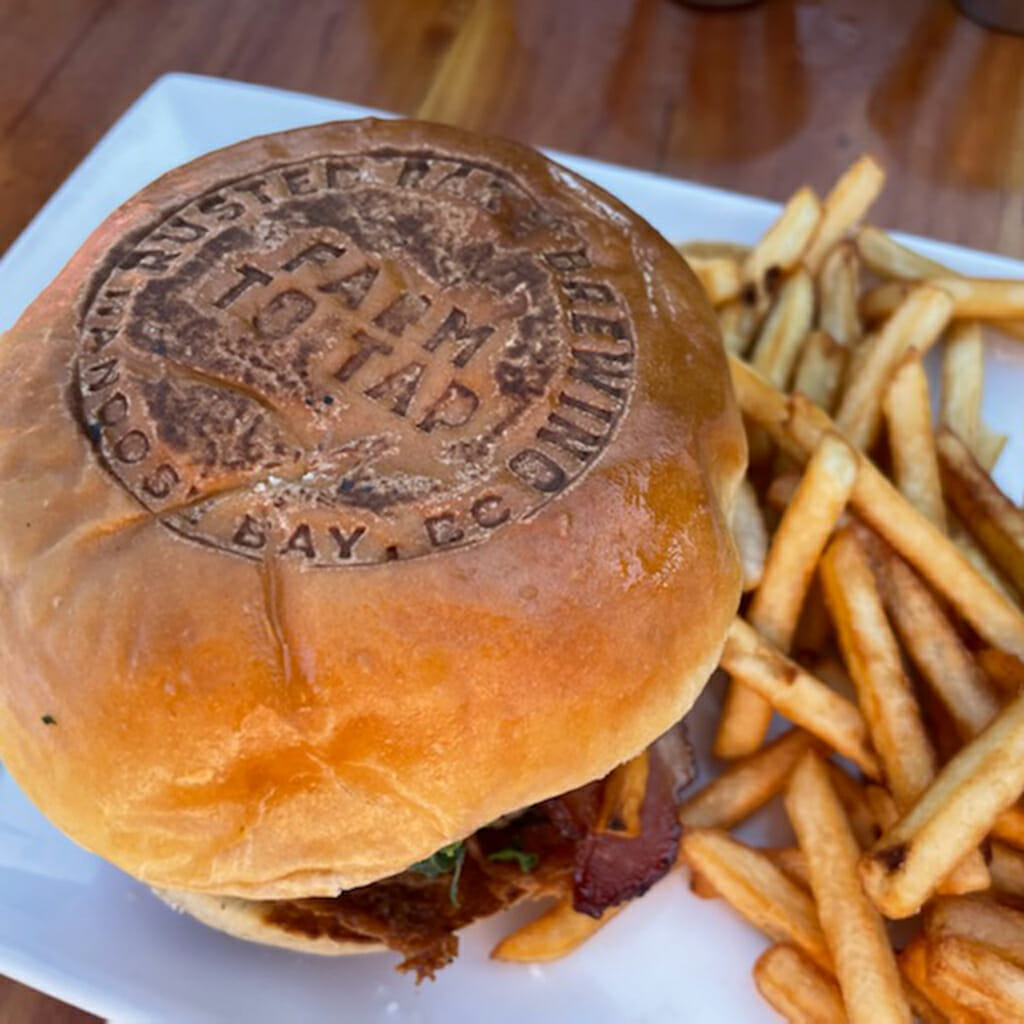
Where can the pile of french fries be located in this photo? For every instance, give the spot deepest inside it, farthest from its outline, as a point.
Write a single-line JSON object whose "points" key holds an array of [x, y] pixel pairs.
{"points": [[883, 620]]}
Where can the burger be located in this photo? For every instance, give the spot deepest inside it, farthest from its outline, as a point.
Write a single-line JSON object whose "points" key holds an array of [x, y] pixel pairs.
{"points": [[364, 498]]}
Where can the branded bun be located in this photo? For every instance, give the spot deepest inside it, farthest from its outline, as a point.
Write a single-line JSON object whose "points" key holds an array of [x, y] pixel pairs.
{"points": [[359, 484]]}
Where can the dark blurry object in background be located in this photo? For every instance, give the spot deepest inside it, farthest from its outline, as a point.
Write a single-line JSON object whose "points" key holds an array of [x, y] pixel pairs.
{"points": [[720, 4], [1004, 15]]}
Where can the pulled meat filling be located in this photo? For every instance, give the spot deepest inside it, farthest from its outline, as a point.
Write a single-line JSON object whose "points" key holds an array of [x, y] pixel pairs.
{"points": [[553, 848]]}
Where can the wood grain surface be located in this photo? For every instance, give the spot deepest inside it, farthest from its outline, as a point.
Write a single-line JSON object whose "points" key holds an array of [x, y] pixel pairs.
{"points": [[760, 100]]}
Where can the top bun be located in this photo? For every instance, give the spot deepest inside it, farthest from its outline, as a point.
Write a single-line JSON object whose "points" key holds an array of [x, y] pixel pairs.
{"points": [[358, 485]]}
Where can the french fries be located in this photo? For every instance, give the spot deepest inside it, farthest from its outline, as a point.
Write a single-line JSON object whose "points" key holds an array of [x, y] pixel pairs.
{"points": [[844, 206], [799, 425], [1003, 670], [711, 249], [804, 700], [782, 245], [1006, 866], [859, 813], [758, 890], [963, 374], [950, 818], [791, 862], [914, 964], [977, 977], [838, 285], [873, 659], [623, 797], [819, 372], [999, 928], [982, 299], [738, 323], [995, 521], [865, 966], [750, 533], [883, 300], [916, 323], [775, 610], [928, 573], [556, 933], [718, 275], [745, 785], [797, 988], [933, 644], [778, 344], [887, 258], [908, 416]]}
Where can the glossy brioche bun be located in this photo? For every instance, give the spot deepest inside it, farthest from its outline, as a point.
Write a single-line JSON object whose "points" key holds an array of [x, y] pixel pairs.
{"points": [[194, 425], [246, 919]]}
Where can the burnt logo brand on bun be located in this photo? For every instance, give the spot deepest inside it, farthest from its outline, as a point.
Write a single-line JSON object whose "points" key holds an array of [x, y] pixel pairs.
{"points": [[354, 359]]}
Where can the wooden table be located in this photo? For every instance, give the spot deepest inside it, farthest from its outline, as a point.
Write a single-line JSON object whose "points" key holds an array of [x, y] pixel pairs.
{"points": [[758, 100]]}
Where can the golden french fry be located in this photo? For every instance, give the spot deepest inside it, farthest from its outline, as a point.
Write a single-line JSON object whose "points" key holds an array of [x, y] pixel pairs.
{"points": [[844, 206], [933, 644], [782, 245], [782, 335], [879, 303], [710, 250], [799, 425], [887, 258], [917, 323], [977, 977], [963, 379], [995, 521], [738, 323], [1007, 869], [1003, 670], [838, 288], [757, 889], [797, 988], [700, 886], [745, 785], [908, 416], [950, 818], [791, 862], [970, 549], [999, 928], [859, 813], [865, 966], [781, 490], [983, 299], [872, 657], [743, 724], [1009, 826], [556, 933], [775, 610], [828, 668], [719, 276], [750, 533], [883, 808], [819, 372], [814, 630], [990, 447], [795, 693], [623, 797], [914, 965]]}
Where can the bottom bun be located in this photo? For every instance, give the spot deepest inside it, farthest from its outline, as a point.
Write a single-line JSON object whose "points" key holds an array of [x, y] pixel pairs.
{"points": [[246, 919]]}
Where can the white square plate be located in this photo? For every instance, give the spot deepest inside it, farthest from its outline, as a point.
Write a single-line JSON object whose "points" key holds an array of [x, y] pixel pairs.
{"points": [[73, 926]]}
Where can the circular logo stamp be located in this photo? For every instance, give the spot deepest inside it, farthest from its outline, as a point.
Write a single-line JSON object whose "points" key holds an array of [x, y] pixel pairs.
{"points": [[354, 359]]}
